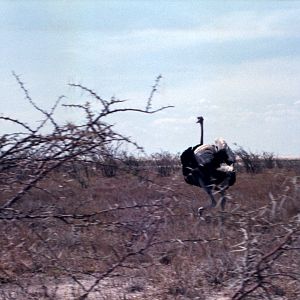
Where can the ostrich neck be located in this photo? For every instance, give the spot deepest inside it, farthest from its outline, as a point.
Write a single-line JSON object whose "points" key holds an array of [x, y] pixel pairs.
{"points": [[201, 138]]}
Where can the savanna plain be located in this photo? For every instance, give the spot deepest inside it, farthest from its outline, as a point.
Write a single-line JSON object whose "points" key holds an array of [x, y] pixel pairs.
{"points": [[129, 229]]}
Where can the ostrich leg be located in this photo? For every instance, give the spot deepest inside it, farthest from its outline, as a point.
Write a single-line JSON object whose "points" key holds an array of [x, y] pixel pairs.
{"points": [[223, 203], [224, 199], [208, 190]]}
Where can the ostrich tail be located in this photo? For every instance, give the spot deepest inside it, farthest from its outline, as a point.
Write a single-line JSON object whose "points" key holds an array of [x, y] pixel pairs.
{"points": [[221, 144], [225, 168]]}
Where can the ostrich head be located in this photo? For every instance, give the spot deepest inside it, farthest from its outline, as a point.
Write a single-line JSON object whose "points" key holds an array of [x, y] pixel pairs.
{"points": [[200, 120]]}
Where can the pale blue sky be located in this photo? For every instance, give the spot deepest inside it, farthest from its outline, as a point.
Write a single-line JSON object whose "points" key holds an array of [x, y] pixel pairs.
{"points": [[237, 63]]}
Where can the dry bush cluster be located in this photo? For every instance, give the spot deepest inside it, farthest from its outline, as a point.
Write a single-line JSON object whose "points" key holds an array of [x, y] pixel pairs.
{"points": [[81, 220], [251, 162]]}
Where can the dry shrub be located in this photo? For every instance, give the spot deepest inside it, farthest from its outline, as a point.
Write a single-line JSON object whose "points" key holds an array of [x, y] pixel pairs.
{"points": [[165, 163]]}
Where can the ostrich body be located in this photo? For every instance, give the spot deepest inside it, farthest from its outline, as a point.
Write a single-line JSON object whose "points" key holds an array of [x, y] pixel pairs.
{"points": [[210, 167]]}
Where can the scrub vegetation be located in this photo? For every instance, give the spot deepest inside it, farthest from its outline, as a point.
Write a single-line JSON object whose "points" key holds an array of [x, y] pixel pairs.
{"points": [[83, 219]]}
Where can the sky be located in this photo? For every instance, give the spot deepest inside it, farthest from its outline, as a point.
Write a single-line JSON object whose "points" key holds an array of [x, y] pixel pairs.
{"points": [[236, 63]]}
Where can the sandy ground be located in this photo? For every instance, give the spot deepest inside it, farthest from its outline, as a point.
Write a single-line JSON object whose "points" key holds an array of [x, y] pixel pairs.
{"points": [[109, 289]]}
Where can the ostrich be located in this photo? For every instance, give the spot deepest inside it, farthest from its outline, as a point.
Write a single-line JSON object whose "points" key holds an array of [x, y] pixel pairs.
{"points": [[210, 167]]}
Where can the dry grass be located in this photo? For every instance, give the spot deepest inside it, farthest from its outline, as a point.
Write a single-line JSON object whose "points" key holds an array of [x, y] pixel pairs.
{"points": [[139, 237]]}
